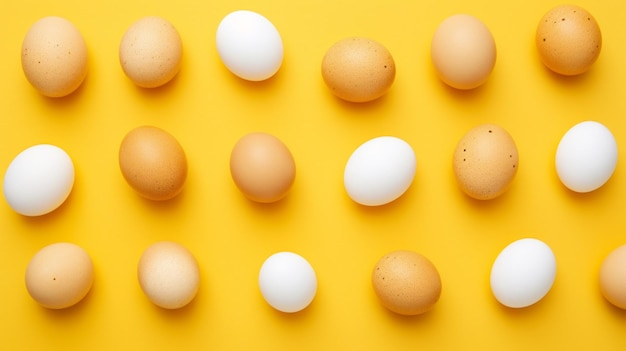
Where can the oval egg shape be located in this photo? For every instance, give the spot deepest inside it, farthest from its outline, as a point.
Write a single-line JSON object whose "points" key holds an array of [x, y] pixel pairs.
{"points": [[485, 162], [523, 273], [463, 52], [586, 157], [358, 69], [59, 275], [54, 57], [151, 52], [406, 282], [568, 40], [153, 163], [613, 277], [38, 180], [262, 167], [287, 282], [249, 45], [168, 274], [379, 171]]}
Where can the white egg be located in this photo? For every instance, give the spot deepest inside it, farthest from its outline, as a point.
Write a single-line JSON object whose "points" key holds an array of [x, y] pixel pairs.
{"points": [[379, 171], [586, 157], [523, 273], [249, 45], [38, 180], [288, 282]]}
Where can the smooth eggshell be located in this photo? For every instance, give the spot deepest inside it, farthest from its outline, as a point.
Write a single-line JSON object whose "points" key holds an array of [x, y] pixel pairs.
{"points": [[613, 277], [168, 274], [568, 40], [153, 163], [262, 167], [463, 51], [39, 180], [287, 282], [485, 162], [523, 273], [358, 69], [249, 45], [54, 56], [151, 52], [59, 275], [586, 156], [379, 171], [406, 282]]}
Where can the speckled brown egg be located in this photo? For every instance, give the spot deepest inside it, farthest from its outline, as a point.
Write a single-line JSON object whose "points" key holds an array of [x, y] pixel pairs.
{"points": [[485, 162], [262, 167], [151, 52], [153, 163], [59, 275], [54, 57], [406, 282], [568, 39], [358, 69]]}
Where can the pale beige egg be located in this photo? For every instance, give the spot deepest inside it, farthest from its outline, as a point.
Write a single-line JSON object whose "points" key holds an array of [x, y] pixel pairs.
{"points": [[485, 161], [168, 274], [568, 40], [151, 52], [358, 69], [262, 167], [406, 282], [59, 275], [463, 51], [54, 57], [153, 163]]}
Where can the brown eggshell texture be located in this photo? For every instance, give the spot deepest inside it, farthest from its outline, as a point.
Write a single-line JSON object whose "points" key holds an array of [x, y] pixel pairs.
{"points": [[485, 162], [568, 40], [262, 167], [406, 282], [151, 52], [153, 163], [54, 56], [59, 275], [358, 69]]}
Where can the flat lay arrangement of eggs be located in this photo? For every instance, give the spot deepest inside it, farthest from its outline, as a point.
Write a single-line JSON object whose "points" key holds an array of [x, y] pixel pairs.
{"points": [[283, 176]]}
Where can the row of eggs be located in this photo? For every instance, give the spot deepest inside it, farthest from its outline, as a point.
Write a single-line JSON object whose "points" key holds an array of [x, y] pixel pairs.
{"points": [[463, 51], [152, 161], [406, 282]]}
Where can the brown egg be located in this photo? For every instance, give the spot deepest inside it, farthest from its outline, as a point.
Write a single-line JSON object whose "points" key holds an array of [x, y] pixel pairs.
{"points": [[568, 39], [153, 163], [406, 282], [485, 162], [151, 52], [168, 274], [54, 57], [463, 51], [59, 275], [358, 69], [262, 167], [613, 277]]}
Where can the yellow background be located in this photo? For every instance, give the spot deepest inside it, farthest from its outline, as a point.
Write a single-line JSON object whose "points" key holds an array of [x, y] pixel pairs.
{"points": [[208, 109]]}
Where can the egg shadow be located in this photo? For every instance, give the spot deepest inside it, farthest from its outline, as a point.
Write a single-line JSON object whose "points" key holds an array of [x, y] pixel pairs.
{"points": [[67, 101], [69, 314], [156, 92], [410, 321], [177, 314], [52, 216]]}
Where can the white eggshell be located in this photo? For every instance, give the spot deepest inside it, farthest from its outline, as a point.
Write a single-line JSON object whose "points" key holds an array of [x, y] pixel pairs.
{"points": [[523, 273], [249, 45], [586, 157], [379, 171], [288, 282], [38, 180]]}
